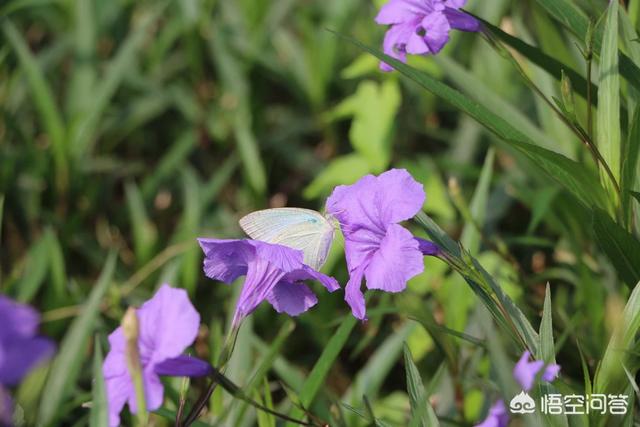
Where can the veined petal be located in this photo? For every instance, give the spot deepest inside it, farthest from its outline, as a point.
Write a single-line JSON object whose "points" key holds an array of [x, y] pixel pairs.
{"points": [[376, 202], [183, 366], [427, 247], [119, 389], [17, 319], [525, 372], [308, 273], [416, 45], [437, 31], [262, 276], [153, 392], [497, 417], [226, 260], [168, 324], [455, 4], [293, 298], [21, 355], [396, 261], [353, 294], [462, 21], [395, 41], [398, 11], [551, 372]]}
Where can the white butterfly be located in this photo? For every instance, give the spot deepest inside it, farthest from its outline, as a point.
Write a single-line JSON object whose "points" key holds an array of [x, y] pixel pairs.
{"points": [[302, 229]]}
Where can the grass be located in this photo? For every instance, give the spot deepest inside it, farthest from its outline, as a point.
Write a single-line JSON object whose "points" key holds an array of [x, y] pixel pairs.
{"points": [[128, 129]]}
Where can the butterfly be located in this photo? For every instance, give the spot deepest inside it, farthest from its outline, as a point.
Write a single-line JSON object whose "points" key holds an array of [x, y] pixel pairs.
{"points": [[302, 229]]}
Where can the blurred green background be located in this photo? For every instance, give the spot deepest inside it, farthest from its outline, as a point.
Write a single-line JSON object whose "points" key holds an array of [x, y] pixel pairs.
{"points": [[129, 128]]}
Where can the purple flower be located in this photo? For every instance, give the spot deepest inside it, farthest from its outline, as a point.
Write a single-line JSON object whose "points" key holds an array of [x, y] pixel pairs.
{"points": [[376, 247], [525, 372], [273, 272], [498, 416], [21, 349], [421, 27], [168, 324]]}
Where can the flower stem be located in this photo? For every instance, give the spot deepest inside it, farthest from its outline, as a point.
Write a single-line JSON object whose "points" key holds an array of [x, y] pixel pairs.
{"points": [[130, 330], [225, 355]]}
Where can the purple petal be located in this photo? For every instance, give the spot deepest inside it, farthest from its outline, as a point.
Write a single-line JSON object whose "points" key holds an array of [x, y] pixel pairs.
{"points": [[375, 202], [226, 260], [462, 21], [455, 4], [6, 408], [427, 247], [308, 273], [114, 364], [262, 276], [353, 294], [20, 355], [282, 257], [183, 366], [398, 11], [395, 41], [153, 392], [551, 372], [118, 388], [292, 298], [168, 324], [17, 319], [397, 260], [437, 29], [416, 45], [525, 372], [497, 417]]}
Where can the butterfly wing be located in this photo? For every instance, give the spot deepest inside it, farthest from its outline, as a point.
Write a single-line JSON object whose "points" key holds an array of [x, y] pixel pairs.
{"points": [[297, 228]]}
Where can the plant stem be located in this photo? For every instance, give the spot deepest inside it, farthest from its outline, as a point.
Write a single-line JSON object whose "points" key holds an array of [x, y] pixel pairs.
{"points": [[130, 330]]}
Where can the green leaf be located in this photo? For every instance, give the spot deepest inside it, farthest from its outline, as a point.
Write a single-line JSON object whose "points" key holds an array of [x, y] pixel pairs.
{"points": [[471, 237], [68, 363], [609, 135], [99, 411], [610, 376], [630, 164], [373, 107], [266, 363], [421, 411], [342, 170], [577, 22], [43, 99], [35, 270], [316, 378], [235, 83], [572, 175], [621, 247], [83, 134], [144, 232], [544, 61], [486, 288], [480, 92], [547, 346]]}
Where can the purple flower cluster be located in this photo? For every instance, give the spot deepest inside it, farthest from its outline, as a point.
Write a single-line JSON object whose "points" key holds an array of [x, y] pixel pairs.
{"points": [[21, 349], [525, 373], [421, 27]]}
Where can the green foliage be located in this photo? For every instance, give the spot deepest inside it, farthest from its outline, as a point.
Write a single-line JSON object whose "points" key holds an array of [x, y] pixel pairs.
{"points": [[128, 129]]}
